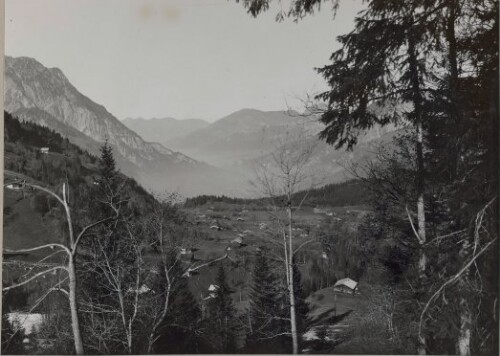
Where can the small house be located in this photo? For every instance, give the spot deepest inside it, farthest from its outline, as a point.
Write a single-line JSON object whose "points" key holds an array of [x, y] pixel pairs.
{"points": [[237, 241], [14, 186], [324, 256], [186, 251], [212, 289], [346, 285], [44, 150], [240, 219]]}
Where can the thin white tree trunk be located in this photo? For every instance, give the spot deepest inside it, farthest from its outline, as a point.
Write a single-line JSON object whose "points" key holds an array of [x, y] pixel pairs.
{"points": [[75, 322], [293, 317], [422, 261], [464, 336]]}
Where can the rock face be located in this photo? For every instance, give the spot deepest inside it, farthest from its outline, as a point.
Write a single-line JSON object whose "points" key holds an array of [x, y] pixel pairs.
{"points": [[31, 88], [45, 96]]}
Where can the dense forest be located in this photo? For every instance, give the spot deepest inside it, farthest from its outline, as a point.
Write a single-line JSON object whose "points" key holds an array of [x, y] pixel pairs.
{"points": [[354, 192]]}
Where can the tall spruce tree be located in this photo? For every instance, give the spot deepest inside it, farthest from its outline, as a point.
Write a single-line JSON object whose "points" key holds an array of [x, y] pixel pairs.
{"points": [[267, 310], [107, 164]]}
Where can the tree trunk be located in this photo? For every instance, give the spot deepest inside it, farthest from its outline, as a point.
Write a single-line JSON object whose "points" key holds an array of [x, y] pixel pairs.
{"points": [[293, 316], [75, 322], [417, 103], [422, 262], [464, 336]]}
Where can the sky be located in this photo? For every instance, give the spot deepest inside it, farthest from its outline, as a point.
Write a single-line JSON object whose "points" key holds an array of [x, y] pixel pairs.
{"points": [[178, 58]]}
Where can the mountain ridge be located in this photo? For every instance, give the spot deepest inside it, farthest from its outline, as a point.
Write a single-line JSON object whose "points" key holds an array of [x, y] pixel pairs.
{"points": [[39, 94]]}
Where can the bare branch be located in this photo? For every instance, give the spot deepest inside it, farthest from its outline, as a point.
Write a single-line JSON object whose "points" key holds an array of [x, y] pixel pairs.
{"points": [[302, 245], [31, 249], [448, 282], [34, 277], [192, 269], [413, 226], [88, 227]]}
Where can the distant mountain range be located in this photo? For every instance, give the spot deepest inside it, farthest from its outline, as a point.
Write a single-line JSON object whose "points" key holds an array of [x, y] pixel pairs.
{"points": [[236, 141], [45, 96], [217, 158], [163, 130]]}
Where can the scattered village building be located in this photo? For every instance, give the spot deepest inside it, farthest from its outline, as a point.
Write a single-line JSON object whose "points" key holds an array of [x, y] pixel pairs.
{"points": [[44, 150], [186, 255], [212, 289], [186, 251], [240, 219], [324, 256], [346, 285], [237, 241], [14, 186]]}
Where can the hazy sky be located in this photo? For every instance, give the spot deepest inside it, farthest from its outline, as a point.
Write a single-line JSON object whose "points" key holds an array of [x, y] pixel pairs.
{"points": [[178, 58]]}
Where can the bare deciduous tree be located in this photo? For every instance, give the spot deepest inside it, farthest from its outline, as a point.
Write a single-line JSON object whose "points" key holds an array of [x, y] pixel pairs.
{"points": [[70, 249], [279, 177]]}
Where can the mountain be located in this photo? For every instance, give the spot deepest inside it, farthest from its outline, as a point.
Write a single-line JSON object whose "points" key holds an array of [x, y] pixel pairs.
{"points": [[244, 134], [45, 96], [236, 141], [162, 130]]}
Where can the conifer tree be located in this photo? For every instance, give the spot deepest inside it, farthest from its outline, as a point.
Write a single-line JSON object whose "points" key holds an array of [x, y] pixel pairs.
{"points": [[178, 331], [266, 309], [107, 164], [222, 315]]}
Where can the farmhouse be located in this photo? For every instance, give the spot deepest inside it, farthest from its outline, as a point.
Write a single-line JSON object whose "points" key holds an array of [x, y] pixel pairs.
{"points": [[211, 291], [186, 255], [14, 186], [346, 285], [237, 241], [186, 251], [44, 150]]}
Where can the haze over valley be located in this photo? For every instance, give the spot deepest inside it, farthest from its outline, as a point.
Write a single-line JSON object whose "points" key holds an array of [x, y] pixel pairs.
{"points": [[190, 157]]}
